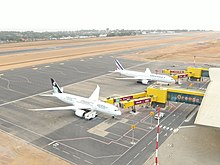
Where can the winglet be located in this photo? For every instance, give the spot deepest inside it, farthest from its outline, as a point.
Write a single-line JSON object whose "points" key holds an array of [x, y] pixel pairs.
{"points": [[95, 95]]}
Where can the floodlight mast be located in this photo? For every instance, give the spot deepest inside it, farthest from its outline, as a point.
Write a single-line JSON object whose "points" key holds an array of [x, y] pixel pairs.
{"points": [[158, 132]]}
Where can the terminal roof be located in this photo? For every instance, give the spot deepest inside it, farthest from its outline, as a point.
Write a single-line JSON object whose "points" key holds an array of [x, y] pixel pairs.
{"points": [[209, 111]]}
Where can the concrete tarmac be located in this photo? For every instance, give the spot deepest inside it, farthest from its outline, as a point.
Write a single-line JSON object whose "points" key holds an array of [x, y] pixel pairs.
{"points": [[76, 140]]}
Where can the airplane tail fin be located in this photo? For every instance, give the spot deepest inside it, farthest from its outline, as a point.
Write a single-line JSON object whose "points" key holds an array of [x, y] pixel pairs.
{"points": [[56, 88], [95, 95], [147, 71], [118, 65]]}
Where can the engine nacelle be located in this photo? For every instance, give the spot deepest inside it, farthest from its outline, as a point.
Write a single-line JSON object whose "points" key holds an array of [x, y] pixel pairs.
{"points": [[144, 82], [80, 113]]}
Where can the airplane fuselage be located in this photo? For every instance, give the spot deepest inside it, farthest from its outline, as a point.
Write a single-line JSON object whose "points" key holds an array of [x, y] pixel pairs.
{"points": [[88, 104], [146, 76]]}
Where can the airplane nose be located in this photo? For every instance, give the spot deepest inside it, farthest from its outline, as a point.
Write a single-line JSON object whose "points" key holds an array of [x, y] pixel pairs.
{"points": [[172, 80], [119, 113]]}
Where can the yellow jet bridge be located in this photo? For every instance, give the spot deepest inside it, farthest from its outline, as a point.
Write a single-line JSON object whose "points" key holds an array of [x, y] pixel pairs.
{"points": [[191, 72], [160, 95]]}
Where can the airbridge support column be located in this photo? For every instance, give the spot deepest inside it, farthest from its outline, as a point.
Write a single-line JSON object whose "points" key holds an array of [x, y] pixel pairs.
{"points": [[134, 109]]}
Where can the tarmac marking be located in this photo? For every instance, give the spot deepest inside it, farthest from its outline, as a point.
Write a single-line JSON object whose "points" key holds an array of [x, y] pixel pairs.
{"points": [[51, 143], [144, 119], [143, 149], [61, 63], [88, 161], [34, 68], [168, 128], [129, 162], [65, 152], [47, 66], [76, 156], [149, 143], [136, 155], [189, 126]]}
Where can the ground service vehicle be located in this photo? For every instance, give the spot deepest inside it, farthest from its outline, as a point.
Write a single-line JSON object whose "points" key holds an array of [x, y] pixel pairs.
{"points": [[161, 115]]}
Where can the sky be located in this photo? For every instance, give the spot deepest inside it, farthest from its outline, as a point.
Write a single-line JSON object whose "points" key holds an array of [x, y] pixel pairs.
{"points": [[70, 15]]}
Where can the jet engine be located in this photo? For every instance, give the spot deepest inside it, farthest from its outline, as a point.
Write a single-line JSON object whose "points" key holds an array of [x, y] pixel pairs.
{"points": [[80, 113], [144, 82]]}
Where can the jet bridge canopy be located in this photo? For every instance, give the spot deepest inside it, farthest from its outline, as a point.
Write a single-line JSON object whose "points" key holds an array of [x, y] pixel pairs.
{"points": [[209, 111]]}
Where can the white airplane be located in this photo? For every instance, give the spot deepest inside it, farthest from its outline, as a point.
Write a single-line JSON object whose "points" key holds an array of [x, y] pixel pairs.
{"points": [[143, 77], [83, 107]]}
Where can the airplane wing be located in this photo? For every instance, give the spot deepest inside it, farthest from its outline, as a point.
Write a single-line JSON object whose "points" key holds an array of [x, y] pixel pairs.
{"points": [[72, 107], [47, 95], [55, 108]]}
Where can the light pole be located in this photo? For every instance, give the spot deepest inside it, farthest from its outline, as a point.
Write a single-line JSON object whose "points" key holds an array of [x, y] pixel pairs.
{"points": [[151, 114], [157, 139], [133, 126], [194, 59]]}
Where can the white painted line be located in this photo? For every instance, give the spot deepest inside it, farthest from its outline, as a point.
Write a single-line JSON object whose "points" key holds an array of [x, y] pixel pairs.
{"points": [[47, 66], [143, 149], [76, 156], [149, 143], [171, 129], [65, 152], [136, 155], [34, 68], [61, 63], [81, 60], [189, 126], [88, 161], [90, 58], [51, 143], [56, 148], [168, 128], [164, 127], [129, 162], [100, 56]]}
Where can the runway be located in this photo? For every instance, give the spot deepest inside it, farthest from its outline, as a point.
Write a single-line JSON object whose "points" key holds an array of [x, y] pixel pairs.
{"points": [[77, 140]]}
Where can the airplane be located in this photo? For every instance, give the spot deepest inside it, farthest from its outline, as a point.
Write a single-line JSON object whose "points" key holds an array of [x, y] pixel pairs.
{"points": [[143, 77], [83, 107]]}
